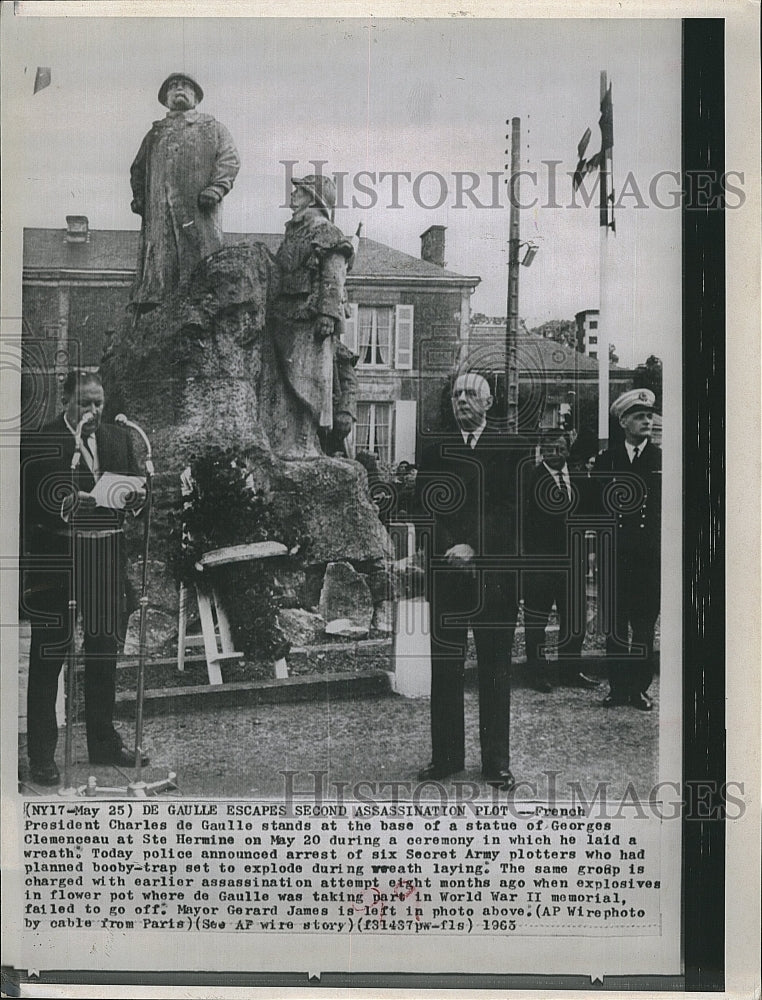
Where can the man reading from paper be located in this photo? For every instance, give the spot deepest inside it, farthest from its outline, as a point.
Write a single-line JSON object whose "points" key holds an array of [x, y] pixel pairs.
{"points": [[68, 535]]}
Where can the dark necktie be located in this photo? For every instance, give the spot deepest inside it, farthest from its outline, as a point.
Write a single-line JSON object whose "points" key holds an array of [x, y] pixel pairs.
{"points": [[562, 485], [635, 452], [90, 459]]}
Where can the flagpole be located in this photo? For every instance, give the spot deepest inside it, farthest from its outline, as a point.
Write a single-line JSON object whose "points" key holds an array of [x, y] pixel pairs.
{"points": [[512, 304], [604, 311]]}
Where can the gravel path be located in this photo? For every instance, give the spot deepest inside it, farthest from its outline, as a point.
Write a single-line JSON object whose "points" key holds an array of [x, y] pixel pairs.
{"points": [[241, 752]]}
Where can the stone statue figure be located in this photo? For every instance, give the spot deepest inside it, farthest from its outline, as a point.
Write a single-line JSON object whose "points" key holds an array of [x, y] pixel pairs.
{"points": [[345, 386], [184, 168], [306, 319]]}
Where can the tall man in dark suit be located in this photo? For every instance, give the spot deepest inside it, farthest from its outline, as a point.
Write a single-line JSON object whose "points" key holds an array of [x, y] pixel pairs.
{"points": [[67, 537], [630, 480], [467, 485], [552, 497]]}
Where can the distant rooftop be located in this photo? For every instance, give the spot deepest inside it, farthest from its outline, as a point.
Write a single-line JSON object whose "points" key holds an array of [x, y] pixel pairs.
{"points": [[541, 352], [115, 250]]}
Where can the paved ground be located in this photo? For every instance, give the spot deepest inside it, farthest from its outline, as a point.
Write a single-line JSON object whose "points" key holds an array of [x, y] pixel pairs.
{"points": [[241, 752]]}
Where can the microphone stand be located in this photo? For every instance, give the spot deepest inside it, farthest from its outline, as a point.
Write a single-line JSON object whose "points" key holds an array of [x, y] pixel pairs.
{"points": [[143, 604], [139, 788], [71, 652]]}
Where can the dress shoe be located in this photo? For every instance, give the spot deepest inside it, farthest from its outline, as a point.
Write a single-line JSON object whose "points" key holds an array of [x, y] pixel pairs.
{"points": [[120, 756], [641, 701], [44, 774], [436, 771], [503, 779], [614, 700], [580, 680]]}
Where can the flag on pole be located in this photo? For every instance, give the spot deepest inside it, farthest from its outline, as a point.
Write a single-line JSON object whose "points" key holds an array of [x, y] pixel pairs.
{"points": [[606, 124], [42, 78], [600, 160]]}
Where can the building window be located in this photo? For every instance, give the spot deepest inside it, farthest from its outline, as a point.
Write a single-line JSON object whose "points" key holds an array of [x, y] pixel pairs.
{"points": [[381, 336], [373, 432], [593, 354], [593, 324], [592, 340], [51, 331], [375, 336]]}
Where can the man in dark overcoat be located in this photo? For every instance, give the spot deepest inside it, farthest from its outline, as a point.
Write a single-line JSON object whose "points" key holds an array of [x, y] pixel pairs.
{"points": [[552, 498], [68, 537], [466, 486], [629, 478], [184, 168]]}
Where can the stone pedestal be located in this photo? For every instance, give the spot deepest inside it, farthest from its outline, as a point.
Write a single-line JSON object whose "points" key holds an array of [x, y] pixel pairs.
{"points": [[191, 373]]}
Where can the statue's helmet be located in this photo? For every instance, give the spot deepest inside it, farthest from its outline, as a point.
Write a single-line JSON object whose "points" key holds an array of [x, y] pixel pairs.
{"points": [[179, 76], [322, 189]]}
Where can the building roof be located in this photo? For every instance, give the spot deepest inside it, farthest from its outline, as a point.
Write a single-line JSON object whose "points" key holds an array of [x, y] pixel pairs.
{"points": [[115, 250], [542, 353]]}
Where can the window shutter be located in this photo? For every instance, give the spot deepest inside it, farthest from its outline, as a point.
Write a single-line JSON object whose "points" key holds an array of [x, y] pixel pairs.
{"points": [[404, 430], [403, 358], [349, 333]]}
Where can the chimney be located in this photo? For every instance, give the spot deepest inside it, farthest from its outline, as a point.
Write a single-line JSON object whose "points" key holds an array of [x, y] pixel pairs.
{"points": [[77, 229], [433, 245]]}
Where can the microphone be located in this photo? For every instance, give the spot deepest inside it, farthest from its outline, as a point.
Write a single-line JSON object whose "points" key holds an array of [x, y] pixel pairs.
{"points": [[122, 421]]}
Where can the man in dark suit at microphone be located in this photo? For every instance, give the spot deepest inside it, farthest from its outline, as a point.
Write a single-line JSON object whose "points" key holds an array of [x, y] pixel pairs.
{"points": [[68, 537]]}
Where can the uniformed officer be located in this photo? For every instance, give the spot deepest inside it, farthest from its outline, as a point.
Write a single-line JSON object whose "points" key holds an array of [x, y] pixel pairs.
{"points": [[630, 477]]}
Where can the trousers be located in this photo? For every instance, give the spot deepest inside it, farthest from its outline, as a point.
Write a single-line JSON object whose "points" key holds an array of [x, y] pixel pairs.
{"points": [[488, 603], [541, 590], [636, 601], [95, 577]]}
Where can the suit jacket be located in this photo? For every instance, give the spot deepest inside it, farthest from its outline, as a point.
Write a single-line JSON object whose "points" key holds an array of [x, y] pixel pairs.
{"points": [[546, 510], [46, 480], [630, 495], [471, 495]]}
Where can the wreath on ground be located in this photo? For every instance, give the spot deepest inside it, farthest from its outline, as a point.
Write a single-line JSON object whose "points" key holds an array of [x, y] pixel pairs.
{"points": [[220, 506]]}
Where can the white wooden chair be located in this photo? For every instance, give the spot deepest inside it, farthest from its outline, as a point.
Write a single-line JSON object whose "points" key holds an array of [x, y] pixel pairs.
{"points": [[215, 634]]}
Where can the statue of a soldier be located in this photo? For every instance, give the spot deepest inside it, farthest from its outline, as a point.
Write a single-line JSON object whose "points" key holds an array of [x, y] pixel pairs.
{"points": [[306, 320], [184, 168]]}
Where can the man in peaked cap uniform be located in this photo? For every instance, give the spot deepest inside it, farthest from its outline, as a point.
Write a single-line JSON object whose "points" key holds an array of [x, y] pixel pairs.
{"points": [[306, 320], [630, 478], [184, 168]]}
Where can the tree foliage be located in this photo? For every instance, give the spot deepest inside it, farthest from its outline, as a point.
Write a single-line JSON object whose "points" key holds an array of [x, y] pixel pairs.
{"points": [[562, 331]]}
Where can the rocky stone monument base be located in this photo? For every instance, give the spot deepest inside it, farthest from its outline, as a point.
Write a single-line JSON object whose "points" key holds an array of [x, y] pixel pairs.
{"points": [[191, 373]]}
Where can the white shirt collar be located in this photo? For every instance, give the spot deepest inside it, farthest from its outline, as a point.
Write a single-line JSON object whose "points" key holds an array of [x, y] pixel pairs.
{"points": [[564, 473], [476, 431], [631, 448], [91, 455]]}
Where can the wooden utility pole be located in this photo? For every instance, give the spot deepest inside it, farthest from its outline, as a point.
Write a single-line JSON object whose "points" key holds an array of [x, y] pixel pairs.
{"points": [[512, 311]]}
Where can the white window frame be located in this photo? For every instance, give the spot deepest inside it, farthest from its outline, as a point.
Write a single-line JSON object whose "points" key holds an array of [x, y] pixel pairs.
{"points": [[373, 423], [361, 348], [401, 328]]}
